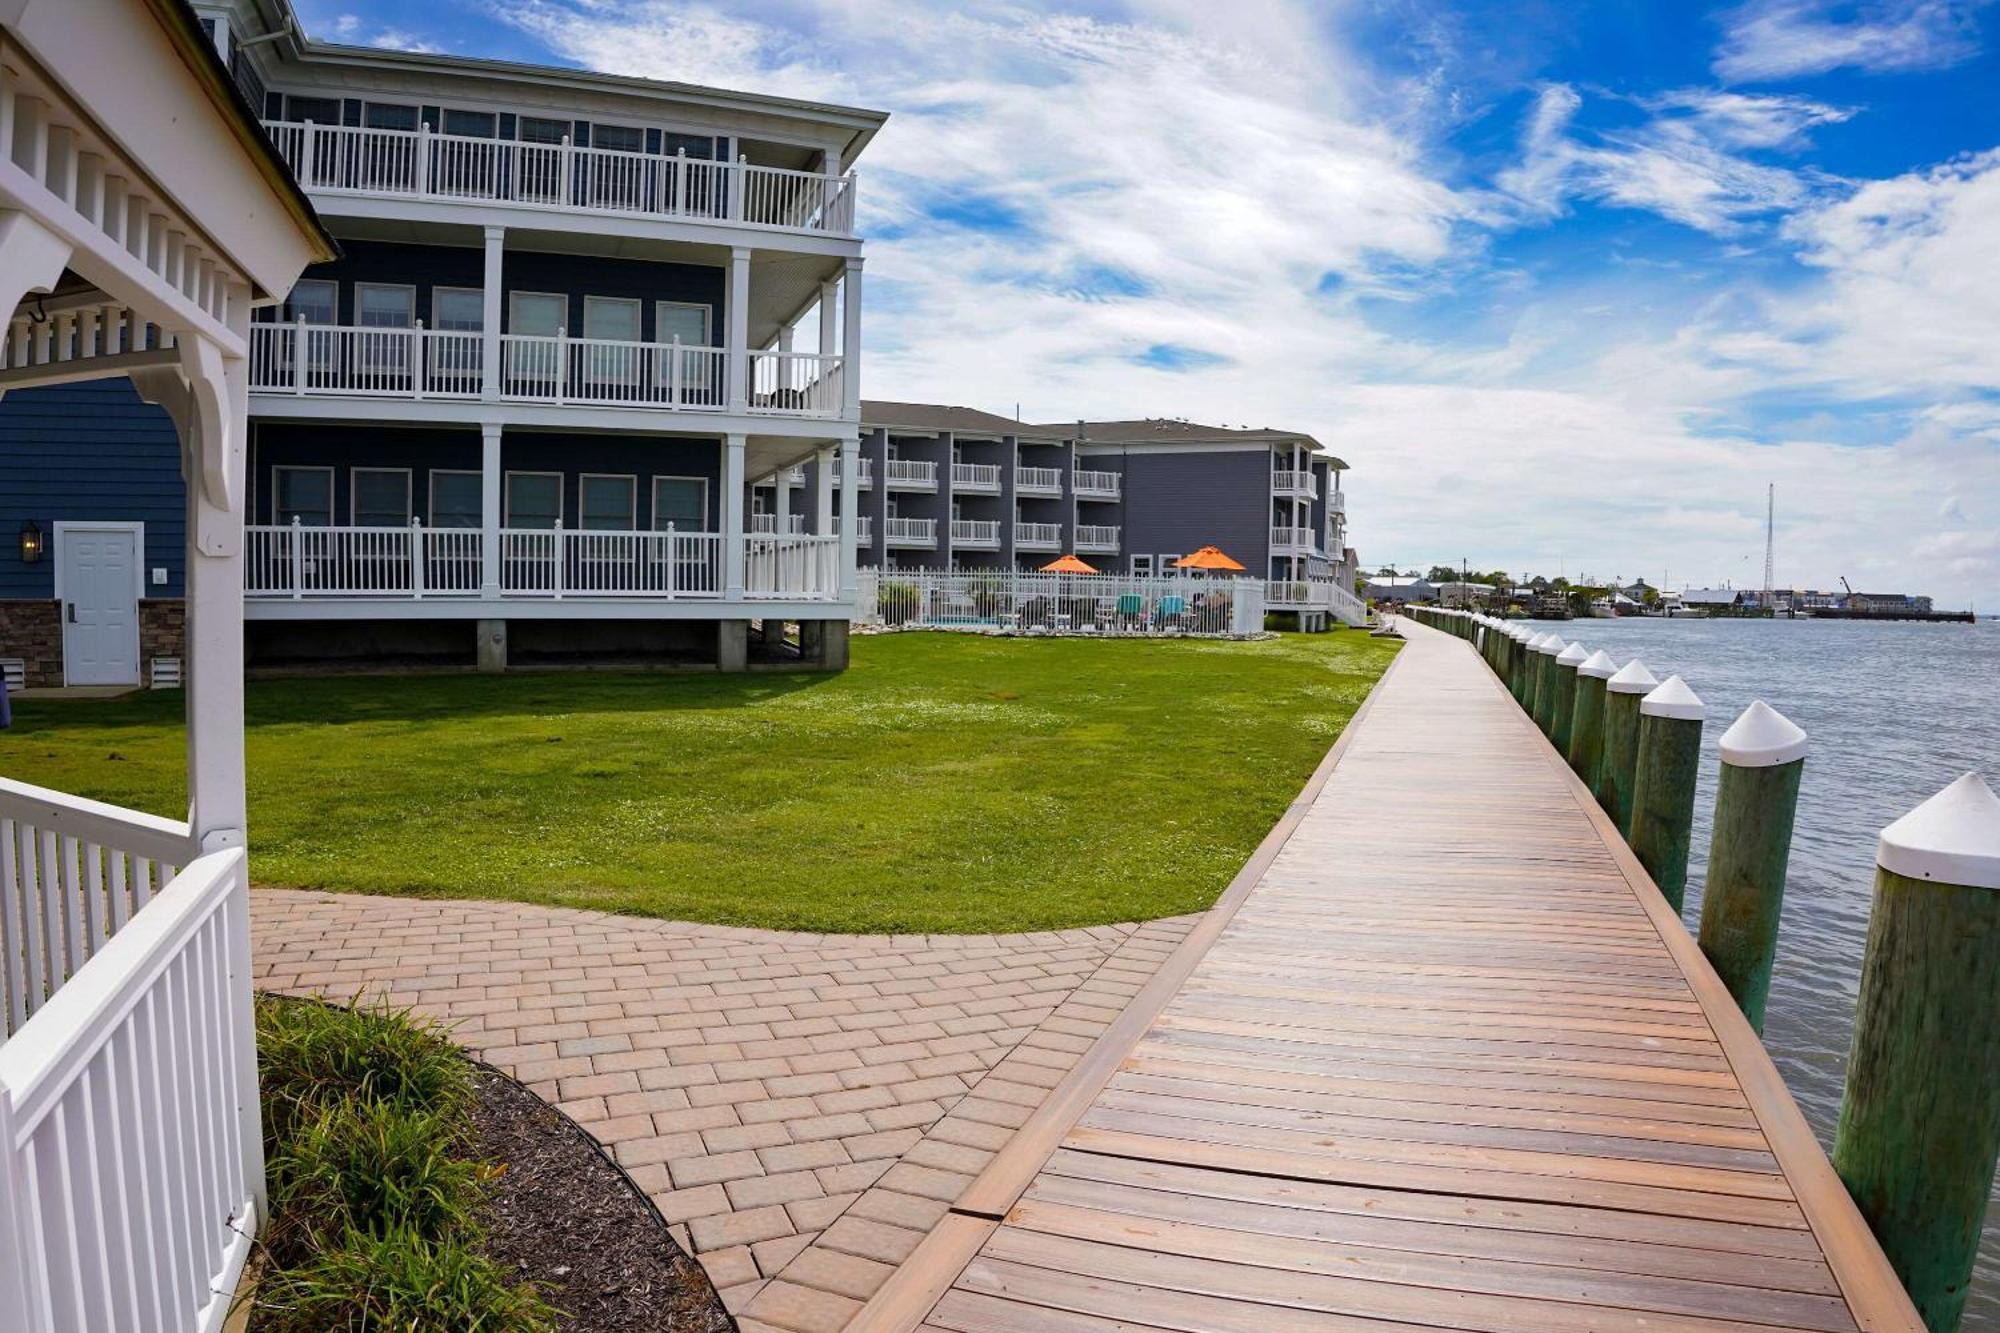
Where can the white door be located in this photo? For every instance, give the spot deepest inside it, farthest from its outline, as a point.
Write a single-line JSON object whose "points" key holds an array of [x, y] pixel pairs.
{"points": [[97, 573]]}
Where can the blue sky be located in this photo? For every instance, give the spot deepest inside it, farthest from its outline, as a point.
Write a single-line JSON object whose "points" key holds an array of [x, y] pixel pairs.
{"points": [[1566, 284]]}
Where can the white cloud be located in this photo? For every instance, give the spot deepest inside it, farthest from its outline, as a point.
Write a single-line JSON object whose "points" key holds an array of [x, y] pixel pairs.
{"points": [[1782, 39]]}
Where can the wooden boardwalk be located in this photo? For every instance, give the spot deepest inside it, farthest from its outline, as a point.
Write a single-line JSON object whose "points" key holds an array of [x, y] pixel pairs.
{"points": [[1441, 1058]]}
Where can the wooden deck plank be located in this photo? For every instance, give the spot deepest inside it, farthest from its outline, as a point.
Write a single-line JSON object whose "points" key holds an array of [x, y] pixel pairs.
{"points": [[1482, 1081]]}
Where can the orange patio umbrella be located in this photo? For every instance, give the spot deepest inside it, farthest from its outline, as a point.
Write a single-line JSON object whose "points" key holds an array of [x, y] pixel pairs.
{"points": [[1209, 557], [1067, 564]]}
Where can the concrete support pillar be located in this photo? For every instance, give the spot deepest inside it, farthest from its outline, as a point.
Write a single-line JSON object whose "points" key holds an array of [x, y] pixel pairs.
{"points": [[1920, 1117], [490, 306], [732, 645], [823, 644], [850, 338], [735, 506], [490, 512], [736, 320], [491, 645]]}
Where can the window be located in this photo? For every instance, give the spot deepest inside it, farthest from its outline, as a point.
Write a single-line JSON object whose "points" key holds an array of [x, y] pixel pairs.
{"points": [[382, 305], [389, 116], [302, 493], [534, 499], [534, 315], [381, 497], [1142, 565], [318, 110], [618, 138], [687, 324], [614, 319], [469, 124], [1166, 563], [681, 321], [606, 503], [462, 309], [456, 500], [314, 300], [540, 129], [680, 503]]}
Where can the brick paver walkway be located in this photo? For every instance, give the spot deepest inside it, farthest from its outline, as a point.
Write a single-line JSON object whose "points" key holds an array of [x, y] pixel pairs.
{"points": [[802, 1108]]}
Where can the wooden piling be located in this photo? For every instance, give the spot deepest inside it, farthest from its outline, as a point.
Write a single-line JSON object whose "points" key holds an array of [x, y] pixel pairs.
{"points": [[1920, 1117], [1663, 787], [1544, 670], [1586, 723], [1763, 755], [1563, 707], [1619, 769]]}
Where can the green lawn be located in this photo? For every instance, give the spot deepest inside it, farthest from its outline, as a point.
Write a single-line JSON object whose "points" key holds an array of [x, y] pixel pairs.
{"points": [[946, 782]]}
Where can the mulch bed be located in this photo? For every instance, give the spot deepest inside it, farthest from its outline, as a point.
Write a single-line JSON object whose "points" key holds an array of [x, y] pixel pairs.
{"points": [[563, 1216]]}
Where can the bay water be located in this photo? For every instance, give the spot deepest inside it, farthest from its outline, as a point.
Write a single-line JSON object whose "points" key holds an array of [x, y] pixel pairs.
{"points": [[1894, 712]]}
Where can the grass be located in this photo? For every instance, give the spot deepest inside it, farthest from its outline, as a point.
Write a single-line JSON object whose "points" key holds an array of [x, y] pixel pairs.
{"points": [[374, 1196], [945, 782]]}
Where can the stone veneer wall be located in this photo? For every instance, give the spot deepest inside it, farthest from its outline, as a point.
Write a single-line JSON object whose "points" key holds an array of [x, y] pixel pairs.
{"points": [[31, 629], [162, 633]]}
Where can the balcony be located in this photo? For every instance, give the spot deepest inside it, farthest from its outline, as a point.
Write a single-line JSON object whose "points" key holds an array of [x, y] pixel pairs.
{"points": [[864, 472], [1336, 502], [864, 533], [1294, 483], [911, 474], [561, 177], [911, 532], [1097, 536], [767, 524], [321, 360], [976, 534], [331, 564], [1287, 540], [1098, 485], [1038, 481], [977, 478], [1038, 536]]}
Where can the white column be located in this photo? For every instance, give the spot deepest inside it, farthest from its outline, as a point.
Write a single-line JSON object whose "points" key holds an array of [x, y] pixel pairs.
{"points": [[733, 505], [737, 319], [850, 526], [781, 509], [217, 473], [829, 317], [823, 495], [850, 340], [489, 347], [489, 507]]}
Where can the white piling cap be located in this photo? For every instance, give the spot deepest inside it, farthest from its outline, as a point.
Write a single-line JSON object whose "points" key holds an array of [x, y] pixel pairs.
{"points": [[1575, 655], [1673, 698], [1552, 644], [1762, 738], [1599, 664], [1632, 678], [1953, 838]]}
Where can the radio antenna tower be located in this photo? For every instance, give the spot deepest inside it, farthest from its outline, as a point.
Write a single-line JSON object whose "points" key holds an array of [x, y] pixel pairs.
{"points": [[1770, 513]]}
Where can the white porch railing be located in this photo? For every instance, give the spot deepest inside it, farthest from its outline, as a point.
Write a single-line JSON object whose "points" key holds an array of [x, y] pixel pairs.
{"points": [[1316, 595], [864, 471], [1061, 603], [912, 472], [792, 567], [130, 1153], [911, 531], [1291, 539], [1336, 502], [299, 561], [1098, 485], [975, 477], [1286, 481], [767, 524], [558, 562], [364, 362], [976, 532], [423, 164], [1097, 536], [1038, 480], [1038, 536], [803, 384], [602, 372]]}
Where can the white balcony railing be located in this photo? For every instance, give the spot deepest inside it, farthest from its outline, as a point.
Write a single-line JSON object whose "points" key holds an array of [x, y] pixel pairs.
{"points": [[912, 474], [975, 477], [792, 567], [417, 363], [1038, 480], [1316, 595], [864, 532], [1336, 502], [422, 164], [1038, 536], [1291, 539], [864, 472], [1097, 485], [977, 533], [299, 563], [910, 531], [1287, 481], [1097, 536], [129, 1139], [767, 524]]}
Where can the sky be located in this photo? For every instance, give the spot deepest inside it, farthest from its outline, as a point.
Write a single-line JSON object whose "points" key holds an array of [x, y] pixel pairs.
{"points": [[1566, 284]]}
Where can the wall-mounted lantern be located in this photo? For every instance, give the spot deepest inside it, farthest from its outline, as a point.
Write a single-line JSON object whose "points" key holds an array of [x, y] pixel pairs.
{"points": [[31, 542]]}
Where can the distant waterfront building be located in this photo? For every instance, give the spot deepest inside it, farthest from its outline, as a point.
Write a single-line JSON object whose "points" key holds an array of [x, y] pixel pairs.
{"points": [[1457, 593], [1399, 588], [1714, 600]]}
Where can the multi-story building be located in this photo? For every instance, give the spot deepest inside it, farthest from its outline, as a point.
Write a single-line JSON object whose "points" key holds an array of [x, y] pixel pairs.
{"points": [[946, 487], [574, 317]]}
